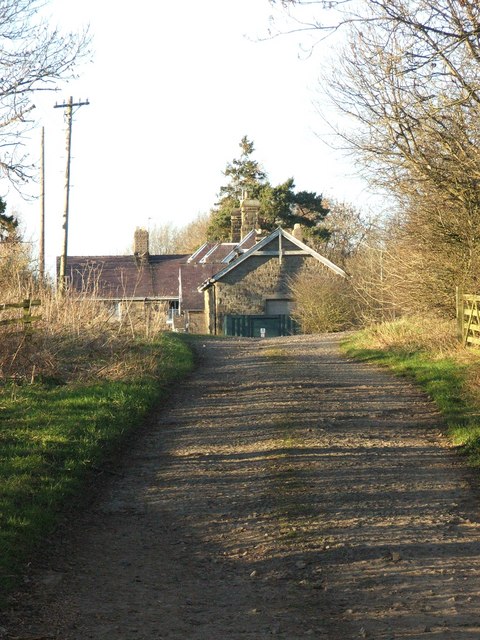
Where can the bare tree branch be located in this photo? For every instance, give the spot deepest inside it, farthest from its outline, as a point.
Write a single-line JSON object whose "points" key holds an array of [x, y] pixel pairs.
{"points": [[33, 58]]}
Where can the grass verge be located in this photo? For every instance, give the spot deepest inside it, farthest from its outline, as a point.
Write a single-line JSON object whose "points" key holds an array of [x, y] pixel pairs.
{"points": [[53, 436], [448, 374]]}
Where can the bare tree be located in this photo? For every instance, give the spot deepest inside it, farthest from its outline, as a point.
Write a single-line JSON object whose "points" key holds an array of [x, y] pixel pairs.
{"points": [[323, 302], [348, 228], [168, 238], [194, 233], [408, 78], [33, 57], [163, 239]]}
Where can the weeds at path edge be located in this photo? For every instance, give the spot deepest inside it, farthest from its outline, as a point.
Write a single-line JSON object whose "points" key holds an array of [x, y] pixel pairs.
{"points": [[447, 379]]}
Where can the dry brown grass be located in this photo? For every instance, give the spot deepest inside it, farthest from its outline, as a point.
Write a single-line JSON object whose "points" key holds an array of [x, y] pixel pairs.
{"points": [[77, 338], [417, 333]]}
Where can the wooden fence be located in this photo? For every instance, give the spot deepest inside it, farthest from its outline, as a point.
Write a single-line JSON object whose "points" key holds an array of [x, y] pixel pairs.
{"points": [[26, 318], [468, 318]]}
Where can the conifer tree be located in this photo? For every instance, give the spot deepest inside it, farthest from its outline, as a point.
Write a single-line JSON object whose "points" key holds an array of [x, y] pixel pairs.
{"points": [[245, 175], [8, 224], [279, 205]]}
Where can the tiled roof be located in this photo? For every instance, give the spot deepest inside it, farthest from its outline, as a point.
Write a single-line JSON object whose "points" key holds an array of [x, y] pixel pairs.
{"points": [[191, 276], [218, 252], [120, 277], [164, 276], [237, 249]]}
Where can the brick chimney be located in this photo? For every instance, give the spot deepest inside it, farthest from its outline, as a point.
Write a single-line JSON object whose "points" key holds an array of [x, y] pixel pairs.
{"points": [[140, 244], [249, 209]]}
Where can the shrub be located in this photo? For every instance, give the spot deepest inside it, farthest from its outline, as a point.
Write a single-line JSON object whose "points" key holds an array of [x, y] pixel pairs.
{"points": [[323, 302]]}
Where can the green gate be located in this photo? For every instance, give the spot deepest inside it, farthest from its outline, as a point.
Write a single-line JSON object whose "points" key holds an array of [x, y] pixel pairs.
{"points": [[259, 326]]}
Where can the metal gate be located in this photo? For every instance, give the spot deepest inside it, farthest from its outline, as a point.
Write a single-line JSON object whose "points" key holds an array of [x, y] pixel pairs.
{"points": [[259, 326]]}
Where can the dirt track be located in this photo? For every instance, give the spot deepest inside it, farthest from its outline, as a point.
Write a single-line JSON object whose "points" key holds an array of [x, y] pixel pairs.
{"points": [[284, 492]]}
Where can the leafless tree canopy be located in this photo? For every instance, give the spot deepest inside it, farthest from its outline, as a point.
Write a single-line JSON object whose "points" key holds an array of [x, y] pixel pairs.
{"points": [[408, 76], [33, 57], [168, 238]]}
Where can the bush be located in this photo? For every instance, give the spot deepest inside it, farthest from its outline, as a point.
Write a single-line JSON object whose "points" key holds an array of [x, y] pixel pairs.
{"points": [[323, 302], [416, 333]]}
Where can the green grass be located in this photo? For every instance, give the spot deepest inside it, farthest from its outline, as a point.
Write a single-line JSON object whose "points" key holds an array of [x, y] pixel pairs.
{"points": [[52, 437], [275, 353], [444, 378]]}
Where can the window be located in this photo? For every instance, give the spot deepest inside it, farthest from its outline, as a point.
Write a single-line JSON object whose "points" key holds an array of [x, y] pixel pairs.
{"points": [[173, 310]]}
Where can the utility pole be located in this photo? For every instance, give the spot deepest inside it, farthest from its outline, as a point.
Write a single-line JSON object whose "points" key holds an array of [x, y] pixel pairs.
{"points": [[41, 260], [68, 106]]}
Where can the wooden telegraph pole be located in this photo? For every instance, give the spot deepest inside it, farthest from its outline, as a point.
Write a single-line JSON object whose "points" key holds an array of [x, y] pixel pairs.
{"points": [[68, 106], [41, 259]]}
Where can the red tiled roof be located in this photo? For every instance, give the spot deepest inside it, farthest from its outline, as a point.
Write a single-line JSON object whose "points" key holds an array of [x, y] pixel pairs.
{"points": [[237, 249]]}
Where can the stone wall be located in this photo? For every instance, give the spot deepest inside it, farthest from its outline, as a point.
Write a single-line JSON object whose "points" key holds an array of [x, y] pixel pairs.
{"points": [[245, 289], [140, 242], [209, 297], [249, 211], [196, 322], [236, 226]]}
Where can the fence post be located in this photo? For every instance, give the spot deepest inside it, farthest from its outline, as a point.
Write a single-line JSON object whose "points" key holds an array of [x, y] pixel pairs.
{"points": [[27, 318], [460, 313]]}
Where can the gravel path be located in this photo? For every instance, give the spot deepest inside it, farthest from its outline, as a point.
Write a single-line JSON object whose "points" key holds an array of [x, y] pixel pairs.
{"points": [[286, 492]]}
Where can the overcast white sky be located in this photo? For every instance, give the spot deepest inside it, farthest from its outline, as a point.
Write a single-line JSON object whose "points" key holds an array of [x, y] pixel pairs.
{"points": [[173, 87]]}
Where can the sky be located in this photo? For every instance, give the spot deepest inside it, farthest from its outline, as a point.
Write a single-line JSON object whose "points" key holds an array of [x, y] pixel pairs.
{"points": [[173, 87]]}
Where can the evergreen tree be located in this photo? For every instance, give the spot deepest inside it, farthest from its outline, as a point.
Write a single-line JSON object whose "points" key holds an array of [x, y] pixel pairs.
{"points": [[245, 176], [279, 205], [8, 224], [285, 207]]}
